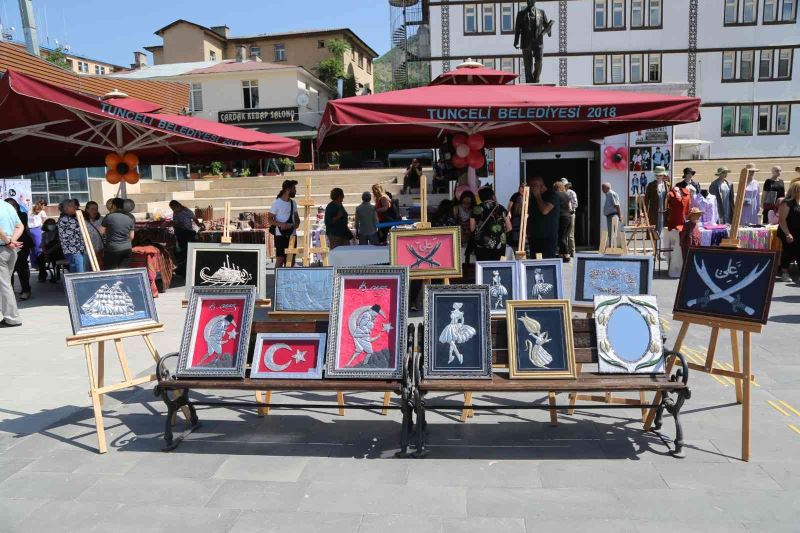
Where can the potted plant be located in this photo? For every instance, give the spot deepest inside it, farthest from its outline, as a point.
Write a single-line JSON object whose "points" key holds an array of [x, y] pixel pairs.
{"points": [[334, 160], [216, 170], [287, 165]]}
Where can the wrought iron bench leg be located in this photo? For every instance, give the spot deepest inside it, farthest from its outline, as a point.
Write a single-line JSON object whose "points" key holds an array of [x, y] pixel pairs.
{"points": [[406, 407], [674, 408], [173, 405], [422, 424]]}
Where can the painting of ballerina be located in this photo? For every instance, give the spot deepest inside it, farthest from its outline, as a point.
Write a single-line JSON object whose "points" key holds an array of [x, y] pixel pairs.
{"points": [[540, 339]]}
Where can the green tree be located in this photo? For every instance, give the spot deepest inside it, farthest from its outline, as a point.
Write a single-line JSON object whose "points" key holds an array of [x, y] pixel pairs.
{"points": [[332, 68], [58, 58]]}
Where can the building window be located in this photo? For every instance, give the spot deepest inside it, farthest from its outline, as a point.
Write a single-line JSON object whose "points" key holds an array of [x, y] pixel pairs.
{"points": [[789, 11], [212, 55], [731, 11], [746, 65], [83, 66], [361, 61], [728, 66], [765, 65], [369, 65], [785, 64], [196, 97], [507, 18], [507, 64], [488, 63], [655, 14], [764, 116], [618, 14], [636, 67], [646, 14], [99, 70], [618, 69], [321, 44], [741, 12], [637, 13], [599, 70], [737, 120], [175, 172], [250, 93], [280, 52], [749, 12], [488, 18], [255, 51], [599, 14], [770, 10], [654, 68], [471, 18], [782, 118]]}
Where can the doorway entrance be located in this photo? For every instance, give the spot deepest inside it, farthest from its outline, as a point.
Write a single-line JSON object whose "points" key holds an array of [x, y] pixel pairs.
{"points": [[578, 167]]}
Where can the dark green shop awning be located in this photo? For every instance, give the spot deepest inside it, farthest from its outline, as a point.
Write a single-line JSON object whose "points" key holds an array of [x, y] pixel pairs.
{"points": [[293, 130]]}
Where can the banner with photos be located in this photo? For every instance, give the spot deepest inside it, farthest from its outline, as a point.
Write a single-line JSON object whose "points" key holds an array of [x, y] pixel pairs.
{"points": [[647, 149]]}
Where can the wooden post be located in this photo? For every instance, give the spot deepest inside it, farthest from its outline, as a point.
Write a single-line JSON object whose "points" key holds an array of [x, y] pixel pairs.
{"points": [[736, 364], [746, 385], [340, 401], [523, 223], [551, 398], [733, 236], [226, 221], [308, 203], [87, 242], [387, 400], [423, 203]]}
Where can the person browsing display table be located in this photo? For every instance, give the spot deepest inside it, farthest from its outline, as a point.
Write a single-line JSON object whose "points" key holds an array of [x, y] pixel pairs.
{"points": [[789, 229], [69, 234], [752, 198], [117, 230], [284, 220], [11, 229], [774, 189]]}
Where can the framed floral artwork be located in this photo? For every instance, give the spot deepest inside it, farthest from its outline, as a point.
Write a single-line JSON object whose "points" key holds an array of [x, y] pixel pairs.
{"points": [[226, 265], [367, 329], [288, 356], [428, 253], [629, 337], [540, 344], [458, 342], [502, 277], [103, 302], [216, 335], [540, 279], [610, 275]]}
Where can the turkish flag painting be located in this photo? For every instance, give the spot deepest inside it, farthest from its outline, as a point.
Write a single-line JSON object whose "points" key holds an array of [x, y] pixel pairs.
{"points": [[216, 331], [367, 323], [279, 356]]}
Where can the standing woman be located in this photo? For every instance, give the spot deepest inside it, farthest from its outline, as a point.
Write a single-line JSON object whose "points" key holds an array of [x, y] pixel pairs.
{"points": [[336, 220], [383, 207], [117, 228], [183, 220], [564, 220], [21, 267], [789, 229], [515, 210], [94, 224], [465, 215], [36, 219]]}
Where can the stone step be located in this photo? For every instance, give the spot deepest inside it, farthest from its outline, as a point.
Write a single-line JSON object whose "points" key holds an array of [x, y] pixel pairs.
{"points": [[322, 191]]}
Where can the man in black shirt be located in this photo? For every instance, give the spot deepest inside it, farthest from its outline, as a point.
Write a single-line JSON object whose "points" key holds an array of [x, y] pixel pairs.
{"points": [[543, 213]]}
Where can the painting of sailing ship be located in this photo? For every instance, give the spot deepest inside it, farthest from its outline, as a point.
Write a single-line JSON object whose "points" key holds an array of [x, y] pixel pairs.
{"points": [[226, 265], [300, 290], [729, 283], [611, 275], [109, 300]]}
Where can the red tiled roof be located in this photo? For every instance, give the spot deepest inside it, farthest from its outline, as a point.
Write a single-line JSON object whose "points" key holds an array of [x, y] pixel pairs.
{"points": [[230, 65]]}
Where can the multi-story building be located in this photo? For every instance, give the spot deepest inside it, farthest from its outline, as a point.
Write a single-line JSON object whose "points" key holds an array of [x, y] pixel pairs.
{"points": [[185, 41], [270, 97], [738, 56], [77, 63]]}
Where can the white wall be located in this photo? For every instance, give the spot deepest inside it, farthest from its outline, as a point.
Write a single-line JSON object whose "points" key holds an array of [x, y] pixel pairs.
{"points": [[506, 172]]}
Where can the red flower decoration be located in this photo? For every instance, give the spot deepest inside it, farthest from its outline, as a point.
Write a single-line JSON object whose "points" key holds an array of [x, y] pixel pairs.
{"points": [[615, 158]]}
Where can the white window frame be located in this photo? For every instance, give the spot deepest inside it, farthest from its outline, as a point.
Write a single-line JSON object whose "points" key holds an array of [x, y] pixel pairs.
{"points": [[255, 51], [600, 62], [507, 10], [250, 88], [753, 4], [637, 6], [737, 120], [729, 58], [653, 59], [488, 14], [600, 6], [212, 55], [488, 62], [752, 56], [618, 63], [471, 12], [730, 7], [764, 111], [656, 6], [507, 64], [280, 52], [792, 17], [766, 58], [789, 61], [618, 7], [775, 7], [783, 109], [195, 97], [636, 61]]}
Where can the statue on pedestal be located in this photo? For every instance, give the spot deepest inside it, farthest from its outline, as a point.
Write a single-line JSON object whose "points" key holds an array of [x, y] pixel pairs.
{"points": [[532, 23]]}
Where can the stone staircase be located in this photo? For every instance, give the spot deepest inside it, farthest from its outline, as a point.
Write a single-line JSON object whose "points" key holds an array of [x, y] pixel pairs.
{"points": [[257, 193], [706, 168]]}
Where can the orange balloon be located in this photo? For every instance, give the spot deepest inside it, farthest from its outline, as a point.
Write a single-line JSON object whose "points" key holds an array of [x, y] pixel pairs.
{"points": [[113, 177], [131, 159], [112, 160], [131, 177]]}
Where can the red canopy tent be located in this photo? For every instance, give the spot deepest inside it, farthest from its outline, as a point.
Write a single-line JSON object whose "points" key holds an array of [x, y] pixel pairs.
{"points": [[505, 115], [47, 127], [474, 74]]}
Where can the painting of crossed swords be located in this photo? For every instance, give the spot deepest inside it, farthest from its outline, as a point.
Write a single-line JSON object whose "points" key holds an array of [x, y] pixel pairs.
{"points": [[734, 284], [428, 253]]}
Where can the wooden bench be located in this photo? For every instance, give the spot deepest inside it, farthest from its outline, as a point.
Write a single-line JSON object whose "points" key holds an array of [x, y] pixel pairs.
{"points": [[175, 391], [674, 388]]}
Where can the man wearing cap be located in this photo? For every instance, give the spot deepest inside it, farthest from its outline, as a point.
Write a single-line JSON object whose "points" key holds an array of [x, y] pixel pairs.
{"points": [[611, 210], [688, 177], [284, 220], [773, 189], [752, 198], [655, 198], [723, 192], [573, 206]]}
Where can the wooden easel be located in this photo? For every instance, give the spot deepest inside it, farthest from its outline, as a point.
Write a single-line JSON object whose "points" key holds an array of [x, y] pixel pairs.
{"points": [[97, 386], [307, 203], [523, 223], [642, 231], [742, 373], [226, 224]]}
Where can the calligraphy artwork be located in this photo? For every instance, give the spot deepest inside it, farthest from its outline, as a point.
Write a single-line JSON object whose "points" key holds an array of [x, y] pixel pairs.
{"points": [[428, 253], [458, 332], [301, 290], [226, 265], [502, 279], [367, 330], [109, 301], [629, 337], [216, 334], [611, 275], [540, 344], [288, 356], [541, 279], [734, 284]]}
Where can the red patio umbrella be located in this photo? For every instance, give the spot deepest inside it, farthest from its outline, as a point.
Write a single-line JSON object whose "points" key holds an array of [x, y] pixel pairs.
{"points": [[505, 115], [46, 127], [473, 73]]}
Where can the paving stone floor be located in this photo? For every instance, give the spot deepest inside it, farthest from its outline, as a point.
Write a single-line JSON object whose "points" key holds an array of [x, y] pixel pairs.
{"points": [[312, 471]]}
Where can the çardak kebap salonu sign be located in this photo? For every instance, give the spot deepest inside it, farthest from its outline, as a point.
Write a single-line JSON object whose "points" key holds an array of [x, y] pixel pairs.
{"points": [[545, 113], [254, 116], [154, 121]]}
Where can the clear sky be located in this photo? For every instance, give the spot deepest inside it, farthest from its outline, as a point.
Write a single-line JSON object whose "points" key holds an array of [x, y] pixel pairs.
{"points": [[113, 30]]}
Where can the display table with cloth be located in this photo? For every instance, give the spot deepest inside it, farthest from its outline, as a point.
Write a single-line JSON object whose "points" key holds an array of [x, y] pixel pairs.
{"points": [[756, 238], [360, 255], [158, 261], [254, 236]]}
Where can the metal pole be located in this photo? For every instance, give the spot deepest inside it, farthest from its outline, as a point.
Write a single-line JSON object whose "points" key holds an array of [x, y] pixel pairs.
{"points": [[29, 25]]}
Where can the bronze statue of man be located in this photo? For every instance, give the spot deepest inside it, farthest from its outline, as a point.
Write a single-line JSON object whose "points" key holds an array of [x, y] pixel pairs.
{"points": [[532, 24]]}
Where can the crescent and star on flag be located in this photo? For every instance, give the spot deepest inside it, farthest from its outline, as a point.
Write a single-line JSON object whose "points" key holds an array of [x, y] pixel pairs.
{"points": [[269, 357]]}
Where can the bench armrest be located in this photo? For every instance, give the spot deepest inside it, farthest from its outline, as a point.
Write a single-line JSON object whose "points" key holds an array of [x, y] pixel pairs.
{"points": [[682, 372], [162, 372]]}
